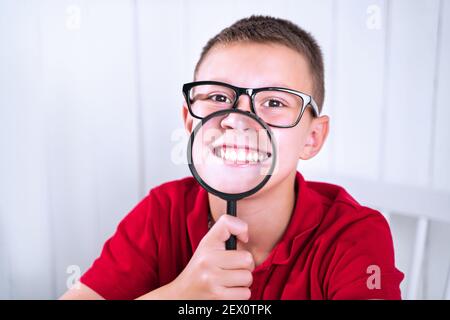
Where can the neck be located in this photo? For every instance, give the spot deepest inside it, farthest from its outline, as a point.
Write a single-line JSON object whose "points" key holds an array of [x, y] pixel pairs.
{"points": [[267, 214]]}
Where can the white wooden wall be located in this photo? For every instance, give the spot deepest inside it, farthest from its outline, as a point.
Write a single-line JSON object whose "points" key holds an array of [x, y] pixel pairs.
{"points": [[90, 120]]}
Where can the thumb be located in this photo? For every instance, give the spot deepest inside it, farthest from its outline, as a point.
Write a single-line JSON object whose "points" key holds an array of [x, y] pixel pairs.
{"points": [[224, 227]]}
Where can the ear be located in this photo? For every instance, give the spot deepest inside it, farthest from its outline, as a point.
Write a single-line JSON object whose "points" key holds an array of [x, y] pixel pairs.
{"points": [[187, 119], [318, 133]]}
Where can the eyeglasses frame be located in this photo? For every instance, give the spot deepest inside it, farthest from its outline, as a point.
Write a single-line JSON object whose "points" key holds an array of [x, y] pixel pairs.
{"points": [[251, 93]]}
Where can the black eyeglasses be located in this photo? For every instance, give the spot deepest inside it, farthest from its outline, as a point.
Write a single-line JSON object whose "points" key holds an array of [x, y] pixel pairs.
{"points": [[278, 107]]}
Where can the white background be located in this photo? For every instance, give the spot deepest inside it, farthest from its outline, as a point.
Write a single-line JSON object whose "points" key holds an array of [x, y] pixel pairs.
{"points": [[90, 120]]}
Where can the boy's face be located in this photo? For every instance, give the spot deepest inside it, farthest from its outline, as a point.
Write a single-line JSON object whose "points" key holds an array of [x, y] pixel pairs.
{"points": [[255, 65]]}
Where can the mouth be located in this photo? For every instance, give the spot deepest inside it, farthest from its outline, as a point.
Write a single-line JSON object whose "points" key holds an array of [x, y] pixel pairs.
{"points": [[240, 155]]}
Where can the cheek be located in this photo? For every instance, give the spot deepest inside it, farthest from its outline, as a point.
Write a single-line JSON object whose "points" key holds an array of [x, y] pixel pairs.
{"points": [[289, 145]]}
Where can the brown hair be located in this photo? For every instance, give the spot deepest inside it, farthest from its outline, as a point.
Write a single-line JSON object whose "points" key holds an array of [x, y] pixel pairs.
{"points": [[264, 29]]}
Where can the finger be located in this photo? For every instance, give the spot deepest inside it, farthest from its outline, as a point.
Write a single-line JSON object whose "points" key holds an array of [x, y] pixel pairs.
{"points": [[225, 226], [236, 293], [236, 278], [234, 259]]}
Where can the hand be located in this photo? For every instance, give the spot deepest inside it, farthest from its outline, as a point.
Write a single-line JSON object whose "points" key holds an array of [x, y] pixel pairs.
{"points": [[215, 273]]}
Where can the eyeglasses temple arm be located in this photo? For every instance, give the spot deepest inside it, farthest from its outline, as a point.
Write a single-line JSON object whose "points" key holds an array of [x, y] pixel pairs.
{"points": [[315, 107]]}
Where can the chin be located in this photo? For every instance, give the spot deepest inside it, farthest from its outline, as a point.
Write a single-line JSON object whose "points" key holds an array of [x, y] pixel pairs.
{"points": [[277, 180]]}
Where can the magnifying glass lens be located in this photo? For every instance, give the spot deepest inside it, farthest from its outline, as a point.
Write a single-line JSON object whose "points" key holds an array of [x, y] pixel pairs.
{"points": [[232, 153]]}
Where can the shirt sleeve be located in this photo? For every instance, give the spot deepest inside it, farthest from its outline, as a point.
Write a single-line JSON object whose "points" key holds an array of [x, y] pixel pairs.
{"points": [[363, 263], [127, 265]]}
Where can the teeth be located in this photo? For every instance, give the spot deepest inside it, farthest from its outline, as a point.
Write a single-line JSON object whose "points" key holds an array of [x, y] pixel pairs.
{"points": [[240, 155], [233, 155]]}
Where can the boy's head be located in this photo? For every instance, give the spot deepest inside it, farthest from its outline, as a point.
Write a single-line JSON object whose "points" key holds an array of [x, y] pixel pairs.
{"points": [[262, 51], [265, 30]]}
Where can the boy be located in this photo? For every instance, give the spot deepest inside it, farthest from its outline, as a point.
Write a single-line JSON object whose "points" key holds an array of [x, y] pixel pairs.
{"points": [[295, 239]]}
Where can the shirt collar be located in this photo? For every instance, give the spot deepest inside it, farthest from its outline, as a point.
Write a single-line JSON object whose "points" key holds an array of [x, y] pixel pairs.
{"points": [[306, 216]]}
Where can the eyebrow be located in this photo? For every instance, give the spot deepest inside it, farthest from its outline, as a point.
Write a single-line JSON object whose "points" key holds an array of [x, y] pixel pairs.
{"points": [[276, 84]]}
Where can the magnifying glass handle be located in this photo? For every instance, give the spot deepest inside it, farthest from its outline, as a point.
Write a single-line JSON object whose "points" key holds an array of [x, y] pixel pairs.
{"points": [[230, 244]]}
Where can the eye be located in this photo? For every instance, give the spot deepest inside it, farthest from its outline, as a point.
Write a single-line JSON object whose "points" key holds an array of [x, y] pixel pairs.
{"points": [[272, 103], [219, 98]]}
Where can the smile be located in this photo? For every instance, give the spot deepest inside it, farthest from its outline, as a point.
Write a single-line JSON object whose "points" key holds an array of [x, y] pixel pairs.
{"points": [[240, 155]]}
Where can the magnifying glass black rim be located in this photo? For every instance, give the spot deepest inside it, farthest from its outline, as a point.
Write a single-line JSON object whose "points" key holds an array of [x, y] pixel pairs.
{"points": [[223, 195]]}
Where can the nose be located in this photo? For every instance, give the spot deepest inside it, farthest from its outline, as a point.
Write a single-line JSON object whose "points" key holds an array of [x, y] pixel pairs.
{"points": [[244, 103], [236, 120]]}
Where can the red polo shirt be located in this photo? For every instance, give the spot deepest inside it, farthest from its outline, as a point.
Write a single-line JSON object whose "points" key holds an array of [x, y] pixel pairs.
{"points": [[333, 248]]}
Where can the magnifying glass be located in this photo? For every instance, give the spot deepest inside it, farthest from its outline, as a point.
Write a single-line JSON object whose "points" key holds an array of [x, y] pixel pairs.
{"points": [[232, 154]]}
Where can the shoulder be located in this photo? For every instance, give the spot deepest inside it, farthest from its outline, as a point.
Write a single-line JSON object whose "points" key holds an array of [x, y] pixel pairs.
{"points": [[355, 246], [160, 201], [175, 190], [345, 217]]}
